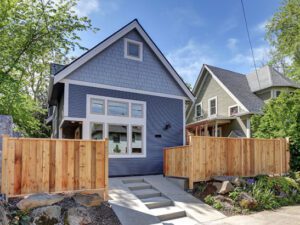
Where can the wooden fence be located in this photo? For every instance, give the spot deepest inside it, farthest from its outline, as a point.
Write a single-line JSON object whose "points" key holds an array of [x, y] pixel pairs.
{"points": [[32, 165], [206, 157]]}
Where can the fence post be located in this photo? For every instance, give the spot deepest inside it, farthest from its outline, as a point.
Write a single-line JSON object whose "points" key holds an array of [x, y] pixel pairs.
{"points": [[287, 156], [191, 172], [4, 184], [106, 169]]}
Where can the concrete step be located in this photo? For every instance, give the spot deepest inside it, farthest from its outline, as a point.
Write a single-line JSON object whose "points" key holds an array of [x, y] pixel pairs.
{"points": [[157, 202], [168, 213], [133, 180], [138, 186], [181, 221], [146, 193]]}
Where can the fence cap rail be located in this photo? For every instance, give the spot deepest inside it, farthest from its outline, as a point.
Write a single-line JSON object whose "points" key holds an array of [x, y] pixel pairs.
{"points": [[241, 138], [52, 139]]}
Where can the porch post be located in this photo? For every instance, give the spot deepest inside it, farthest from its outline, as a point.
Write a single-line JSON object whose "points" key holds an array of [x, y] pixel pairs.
{"points": [[248, 134], [216, 129], [206, 130]]}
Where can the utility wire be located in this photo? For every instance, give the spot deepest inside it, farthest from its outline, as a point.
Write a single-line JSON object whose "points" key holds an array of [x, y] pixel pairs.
{"points": [[249, 39]]}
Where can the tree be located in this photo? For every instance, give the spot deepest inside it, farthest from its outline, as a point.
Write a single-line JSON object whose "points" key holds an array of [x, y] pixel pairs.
{"points": [[283, 34], [34, 33], [280, 119]]}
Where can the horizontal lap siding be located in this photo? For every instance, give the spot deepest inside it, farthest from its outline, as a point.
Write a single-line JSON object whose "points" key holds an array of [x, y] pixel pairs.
{"points": [[160, 110], [110, 67]]}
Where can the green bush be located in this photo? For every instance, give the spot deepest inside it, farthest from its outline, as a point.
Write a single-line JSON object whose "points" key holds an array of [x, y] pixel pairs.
{"points": [[264, 196], [281, 119], [209, 200]]}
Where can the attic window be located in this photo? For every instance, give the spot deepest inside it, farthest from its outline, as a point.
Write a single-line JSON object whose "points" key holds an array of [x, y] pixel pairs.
{"points": [[233, 110], [133, 50]]}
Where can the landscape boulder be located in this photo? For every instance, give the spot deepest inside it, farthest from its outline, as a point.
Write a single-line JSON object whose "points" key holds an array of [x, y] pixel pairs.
{"points": [[222, 198], [78, 216], [224, 178], [46, 215], [3, 217], [217, 185], [39, 200], [246, 201], [88, 200], [226, 187]]}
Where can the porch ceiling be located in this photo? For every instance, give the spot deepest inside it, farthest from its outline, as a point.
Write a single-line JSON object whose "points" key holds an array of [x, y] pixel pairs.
{"points": [[210, 122]]}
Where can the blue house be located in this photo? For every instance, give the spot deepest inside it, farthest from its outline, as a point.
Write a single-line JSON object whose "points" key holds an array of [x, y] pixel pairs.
{"points": [[123, 89]]}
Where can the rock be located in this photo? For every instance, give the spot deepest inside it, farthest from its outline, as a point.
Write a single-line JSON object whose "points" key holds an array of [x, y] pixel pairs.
{"points": [[78, 216], [217, 185], [3, 217], [88, 200], [223, 178], [237, 181], [225, 188], [222, 198], [246, 201], [38, 200], [46, 215]]}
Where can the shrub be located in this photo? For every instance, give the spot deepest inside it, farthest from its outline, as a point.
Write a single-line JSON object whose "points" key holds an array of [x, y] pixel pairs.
{"points": [[264, 196]]}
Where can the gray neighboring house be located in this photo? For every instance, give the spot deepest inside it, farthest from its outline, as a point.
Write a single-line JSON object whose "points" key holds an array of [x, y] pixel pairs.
{"points": [[226, 100], [123, 89]]}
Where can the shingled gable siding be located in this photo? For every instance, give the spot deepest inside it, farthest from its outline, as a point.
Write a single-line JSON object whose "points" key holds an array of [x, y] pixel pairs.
{"points": [[211, 89], [160, 110], [111, 68]]}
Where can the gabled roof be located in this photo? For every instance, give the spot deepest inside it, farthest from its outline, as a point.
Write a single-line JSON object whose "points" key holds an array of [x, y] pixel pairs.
{"points": [[238, 86], [112, 39], [268, 77]]}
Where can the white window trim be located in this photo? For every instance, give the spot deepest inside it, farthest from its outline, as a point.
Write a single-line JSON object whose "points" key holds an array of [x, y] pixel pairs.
{"points": [[91, 99], [209, 100], [140, 44], [201, 113], [117, 120], [229, 107]]}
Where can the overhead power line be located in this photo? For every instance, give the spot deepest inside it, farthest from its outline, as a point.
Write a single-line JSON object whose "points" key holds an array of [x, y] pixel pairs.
{"points": [[249, 39]]}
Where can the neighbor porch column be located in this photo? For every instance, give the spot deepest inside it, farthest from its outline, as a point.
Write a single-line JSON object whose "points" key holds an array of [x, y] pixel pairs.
{"points": [[216, 129], [248, 126]]}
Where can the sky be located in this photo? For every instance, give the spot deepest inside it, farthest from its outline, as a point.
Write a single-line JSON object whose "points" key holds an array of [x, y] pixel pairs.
{"points": [[190, 33]]}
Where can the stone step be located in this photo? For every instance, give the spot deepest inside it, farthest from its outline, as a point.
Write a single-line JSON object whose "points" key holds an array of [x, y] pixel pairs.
{"points": [[181, 221], [133, 180], [138, 186], [146, 193], [157, 202], [168, 213]]}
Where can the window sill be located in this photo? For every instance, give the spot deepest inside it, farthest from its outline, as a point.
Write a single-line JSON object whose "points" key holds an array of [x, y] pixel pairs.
{"points": [[126, 156]]}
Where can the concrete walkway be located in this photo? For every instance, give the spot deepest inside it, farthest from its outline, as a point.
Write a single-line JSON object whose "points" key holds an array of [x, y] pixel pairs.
{"points": [[154, 200], [289, 215]]}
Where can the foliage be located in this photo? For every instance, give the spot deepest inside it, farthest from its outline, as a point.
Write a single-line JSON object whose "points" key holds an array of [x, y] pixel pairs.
{"points": [[34, 33], [19, 217], [234, 195], [283, 34], [265, 197], [280, 119], [268, 192], [209, 199]]}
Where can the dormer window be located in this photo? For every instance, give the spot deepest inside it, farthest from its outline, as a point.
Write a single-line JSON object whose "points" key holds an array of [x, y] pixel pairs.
{"points": [[133, 50]]}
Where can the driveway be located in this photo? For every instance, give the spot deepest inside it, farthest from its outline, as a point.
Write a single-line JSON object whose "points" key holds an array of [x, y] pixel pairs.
{"points": [[287, 215]]}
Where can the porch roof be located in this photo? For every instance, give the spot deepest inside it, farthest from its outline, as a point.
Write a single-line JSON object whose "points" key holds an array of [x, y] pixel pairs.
{"points": [[211, 121]]}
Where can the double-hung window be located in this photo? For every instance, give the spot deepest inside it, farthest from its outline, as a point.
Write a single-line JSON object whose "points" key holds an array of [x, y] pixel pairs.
{"points": [[212, 106], [198, 110]]}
